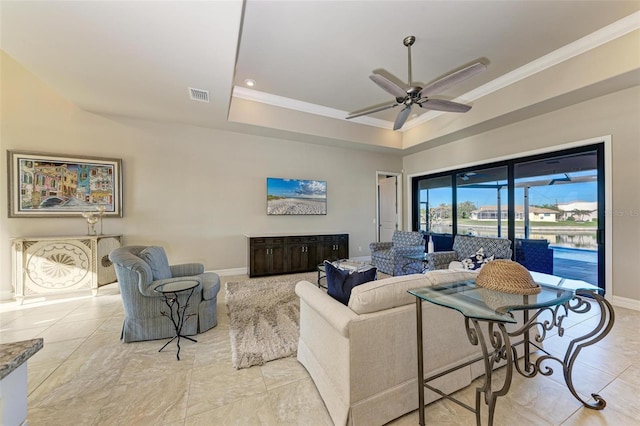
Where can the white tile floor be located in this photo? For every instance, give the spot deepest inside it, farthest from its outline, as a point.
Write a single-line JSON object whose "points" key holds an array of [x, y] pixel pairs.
{"points": [[85, 375]]}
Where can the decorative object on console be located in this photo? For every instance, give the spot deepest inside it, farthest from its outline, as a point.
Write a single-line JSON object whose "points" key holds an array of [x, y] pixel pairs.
{"points": [[296, 197], [340, 281], [91, 222], [63, 186], [507, 276]]}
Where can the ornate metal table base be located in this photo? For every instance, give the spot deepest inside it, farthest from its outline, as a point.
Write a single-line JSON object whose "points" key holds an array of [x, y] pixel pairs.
{"points": [[178, 316], [497, 346]]}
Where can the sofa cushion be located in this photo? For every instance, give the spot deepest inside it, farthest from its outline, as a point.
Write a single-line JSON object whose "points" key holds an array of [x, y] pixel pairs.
{"points": [[157, 260], [392, 292], [340, 282]]}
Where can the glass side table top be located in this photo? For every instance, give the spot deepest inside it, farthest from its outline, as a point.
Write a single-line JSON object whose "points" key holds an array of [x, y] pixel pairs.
{"points": [[416, 257], [484, 304], [177, 286]]}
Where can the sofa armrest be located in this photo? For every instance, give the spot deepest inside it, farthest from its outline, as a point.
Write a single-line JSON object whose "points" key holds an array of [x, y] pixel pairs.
{"points": [[440, 259], [186, 269], [335, 313], [380, 246]]}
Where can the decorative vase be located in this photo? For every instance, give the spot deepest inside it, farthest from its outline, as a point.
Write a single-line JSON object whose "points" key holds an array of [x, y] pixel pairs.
{"points": [[430, 247]]}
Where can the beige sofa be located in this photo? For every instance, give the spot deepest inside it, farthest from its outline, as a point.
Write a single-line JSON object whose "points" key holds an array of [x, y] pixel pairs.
{"points": [[363, 357]]}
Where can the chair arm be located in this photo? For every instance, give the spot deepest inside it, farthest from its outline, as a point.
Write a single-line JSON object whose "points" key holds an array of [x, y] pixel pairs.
{"points": [[380, 246], [440, 259], [186, 269], [150, 289], [407, 250], [335, 313]]}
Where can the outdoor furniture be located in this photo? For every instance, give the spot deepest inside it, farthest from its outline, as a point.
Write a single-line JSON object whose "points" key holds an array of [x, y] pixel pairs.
{"points": [[466, 246], [390, 257], [140, 270], [535, 255]]}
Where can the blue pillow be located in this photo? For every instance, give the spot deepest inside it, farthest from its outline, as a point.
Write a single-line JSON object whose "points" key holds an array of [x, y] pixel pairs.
{"points": [[156, 258], [340, 282]]}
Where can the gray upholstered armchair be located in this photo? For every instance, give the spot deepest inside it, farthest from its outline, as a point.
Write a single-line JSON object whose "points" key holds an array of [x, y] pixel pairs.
{"points": [[389, 257], [465, 246], [140, 270]]}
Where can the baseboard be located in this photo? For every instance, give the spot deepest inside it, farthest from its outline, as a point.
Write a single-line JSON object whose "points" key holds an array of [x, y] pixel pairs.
{"points": [[6, 295], [233, 271], [625, 302]]}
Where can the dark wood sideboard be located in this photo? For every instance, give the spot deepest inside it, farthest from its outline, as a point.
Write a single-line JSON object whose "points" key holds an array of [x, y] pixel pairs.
{"points": [[273, 255]]}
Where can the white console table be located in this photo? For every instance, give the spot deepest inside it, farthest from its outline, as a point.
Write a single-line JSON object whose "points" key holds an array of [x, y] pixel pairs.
{"points": [[55, 264]]}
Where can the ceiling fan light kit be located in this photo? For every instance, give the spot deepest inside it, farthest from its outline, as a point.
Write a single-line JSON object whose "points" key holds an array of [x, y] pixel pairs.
{"points": [[416, 95]]}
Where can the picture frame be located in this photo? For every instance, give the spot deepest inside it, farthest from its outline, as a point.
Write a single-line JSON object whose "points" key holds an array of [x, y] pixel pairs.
{"points": [[296, 196], [52, 185]]}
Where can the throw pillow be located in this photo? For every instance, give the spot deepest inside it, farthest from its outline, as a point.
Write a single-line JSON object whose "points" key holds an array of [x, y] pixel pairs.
{"points": [[340, 282], [477, 261], [157, 260]]}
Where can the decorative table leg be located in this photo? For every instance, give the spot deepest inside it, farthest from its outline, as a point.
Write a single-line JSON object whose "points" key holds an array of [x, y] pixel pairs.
{"points": [[500, 350], [607, 318], [178, 316], [420, 362]]}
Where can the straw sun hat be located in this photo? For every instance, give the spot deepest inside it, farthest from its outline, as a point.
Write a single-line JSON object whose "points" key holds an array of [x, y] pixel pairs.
{"points": [[507, 276]]}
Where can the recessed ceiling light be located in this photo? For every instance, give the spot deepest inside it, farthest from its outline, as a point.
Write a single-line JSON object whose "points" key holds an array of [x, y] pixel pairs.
{"points": [[249, 82]]}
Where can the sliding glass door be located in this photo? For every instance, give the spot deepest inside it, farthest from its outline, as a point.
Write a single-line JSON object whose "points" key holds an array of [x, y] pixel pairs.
{"points": [[482, 202], [557, 208], [551, 206]]}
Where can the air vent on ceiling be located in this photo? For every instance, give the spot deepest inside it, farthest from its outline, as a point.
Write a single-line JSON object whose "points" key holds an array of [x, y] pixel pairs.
{"points": [[199, 94]]}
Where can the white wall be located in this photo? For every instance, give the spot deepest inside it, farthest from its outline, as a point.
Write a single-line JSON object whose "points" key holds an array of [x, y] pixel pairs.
{"points": [[195, 191], [618, 115]]}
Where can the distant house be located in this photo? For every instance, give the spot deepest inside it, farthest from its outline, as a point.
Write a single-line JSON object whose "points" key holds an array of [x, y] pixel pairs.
{"points": [[537, 214], [580, 211]]}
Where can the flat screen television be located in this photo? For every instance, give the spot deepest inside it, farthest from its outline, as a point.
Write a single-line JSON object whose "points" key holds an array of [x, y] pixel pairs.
{"points": [[296, 197]]}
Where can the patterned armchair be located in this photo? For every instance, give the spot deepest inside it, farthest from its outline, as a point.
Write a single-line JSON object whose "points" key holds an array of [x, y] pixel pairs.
{"points": [[465, 246], [389, 257], [140, 270]]}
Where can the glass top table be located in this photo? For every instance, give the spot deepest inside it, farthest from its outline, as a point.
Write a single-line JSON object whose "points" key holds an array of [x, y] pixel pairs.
{"points": [[171, 292], [487, 313], [484, 304]]}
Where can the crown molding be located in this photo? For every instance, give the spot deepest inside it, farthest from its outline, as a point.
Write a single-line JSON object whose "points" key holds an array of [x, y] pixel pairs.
{"points": [[578, 47], [293, 104]]}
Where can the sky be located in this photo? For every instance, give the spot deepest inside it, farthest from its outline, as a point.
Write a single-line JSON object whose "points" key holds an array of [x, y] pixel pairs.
{"points": [[540, 195], [295, 188]]}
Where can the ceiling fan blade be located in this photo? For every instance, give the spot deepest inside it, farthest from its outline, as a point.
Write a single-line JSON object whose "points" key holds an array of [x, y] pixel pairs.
{"points": [[442, 105], [388, 85], [371, 111], [452, 79], [402, 117]]}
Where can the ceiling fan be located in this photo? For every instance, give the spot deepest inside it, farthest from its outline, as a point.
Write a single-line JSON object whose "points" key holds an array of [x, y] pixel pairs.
{"points": [[416, 95]]}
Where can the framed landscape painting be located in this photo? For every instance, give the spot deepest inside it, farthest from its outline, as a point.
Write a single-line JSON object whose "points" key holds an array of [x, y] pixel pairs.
{"points": [[49, 185], [296, 197]]}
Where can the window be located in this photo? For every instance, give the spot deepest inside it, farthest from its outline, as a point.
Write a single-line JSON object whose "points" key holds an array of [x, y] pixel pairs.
{"points": [[550, 205]]}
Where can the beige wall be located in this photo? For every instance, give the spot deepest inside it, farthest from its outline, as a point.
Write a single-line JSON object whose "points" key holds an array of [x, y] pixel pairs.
{"points": [[195, 191], [618, 115]]}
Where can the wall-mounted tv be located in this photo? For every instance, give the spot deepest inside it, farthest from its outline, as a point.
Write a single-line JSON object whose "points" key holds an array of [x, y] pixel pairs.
{"points": [[296, 196]]}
